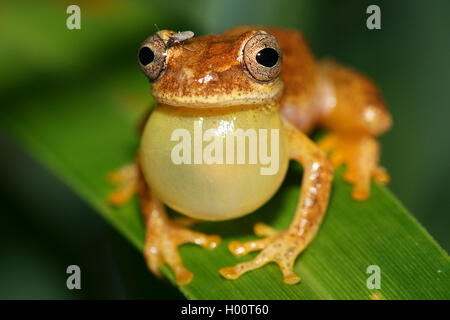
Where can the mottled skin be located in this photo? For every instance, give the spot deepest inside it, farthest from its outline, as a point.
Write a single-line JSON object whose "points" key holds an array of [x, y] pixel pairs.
{"points": [[207, 73]]}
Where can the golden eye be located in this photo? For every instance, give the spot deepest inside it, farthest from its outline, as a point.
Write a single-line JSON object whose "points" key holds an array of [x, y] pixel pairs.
{"points": [[151, 57], [262, 56]]}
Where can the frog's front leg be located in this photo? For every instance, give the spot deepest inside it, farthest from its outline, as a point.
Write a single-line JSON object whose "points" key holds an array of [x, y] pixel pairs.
{"points": [[356, 118], [284, 247], [163, 236]]}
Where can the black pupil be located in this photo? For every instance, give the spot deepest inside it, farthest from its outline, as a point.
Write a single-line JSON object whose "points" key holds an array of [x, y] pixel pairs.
{"points": [[267, 57], [146, 56]]}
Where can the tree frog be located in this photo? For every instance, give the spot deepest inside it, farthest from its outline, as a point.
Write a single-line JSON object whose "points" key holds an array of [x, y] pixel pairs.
{"points": [[266, 84]]}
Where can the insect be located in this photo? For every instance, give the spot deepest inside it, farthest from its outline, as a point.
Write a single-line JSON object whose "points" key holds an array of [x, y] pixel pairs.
{"points": [[179, 37], [172, 38]]}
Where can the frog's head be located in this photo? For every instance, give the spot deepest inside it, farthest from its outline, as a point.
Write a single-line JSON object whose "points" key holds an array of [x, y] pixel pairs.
{"points": [[212, 71]]}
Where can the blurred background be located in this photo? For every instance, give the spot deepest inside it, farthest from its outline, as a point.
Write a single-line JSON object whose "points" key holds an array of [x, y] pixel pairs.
{"points": [[41, 218]]}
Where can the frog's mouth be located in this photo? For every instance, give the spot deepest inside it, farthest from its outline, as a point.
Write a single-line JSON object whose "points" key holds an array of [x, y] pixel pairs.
{"points": [[234, 97], [216, 97]]}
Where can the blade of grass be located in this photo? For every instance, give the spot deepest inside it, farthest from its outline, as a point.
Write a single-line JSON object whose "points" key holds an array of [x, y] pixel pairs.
{"points": [[82, 134]]}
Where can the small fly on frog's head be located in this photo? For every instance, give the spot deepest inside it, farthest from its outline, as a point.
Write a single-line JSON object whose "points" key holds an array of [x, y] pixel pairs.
{"points": [[179, 37], [172, 38]]}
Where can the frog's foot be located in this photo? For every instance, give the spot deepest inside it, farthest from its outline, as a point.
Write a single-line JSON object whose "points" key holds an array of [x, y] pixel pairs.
{"points": [[162, 242], [280, 247], [126, 179], [360, 153]]}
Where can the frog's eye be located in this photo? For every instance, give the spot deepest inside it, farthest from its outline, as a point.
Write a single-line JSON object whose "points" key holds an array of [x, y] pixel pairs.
{"points": [[262, 57], [151, 57]]}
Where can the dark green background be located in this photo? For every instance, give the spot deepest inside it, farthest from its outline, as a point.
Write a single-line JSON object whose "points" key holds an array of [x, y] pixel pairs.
{"points": [[44, 227]]}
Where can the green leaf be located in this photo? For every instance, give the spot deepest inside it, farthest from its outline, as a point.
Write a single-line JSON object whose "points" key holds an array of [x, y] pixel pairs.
{"points": [[83, 134]]}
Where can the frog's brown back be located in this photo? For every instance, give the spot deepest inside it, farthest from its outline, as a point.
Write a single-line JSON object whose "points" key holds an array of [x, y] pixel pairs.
{"points": [[299, 75]]}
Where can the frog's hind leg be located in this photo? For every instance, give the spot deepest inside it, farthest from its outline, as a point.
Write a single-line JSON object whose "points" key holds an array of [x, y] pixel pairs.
{"points": [[164, 236], [357, 117], [360, 154]]}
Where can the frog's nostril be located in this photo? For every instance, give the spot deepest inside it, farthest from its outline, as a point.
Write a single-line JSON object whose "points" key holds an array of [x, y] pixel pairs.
{"points": [[146, 56]]}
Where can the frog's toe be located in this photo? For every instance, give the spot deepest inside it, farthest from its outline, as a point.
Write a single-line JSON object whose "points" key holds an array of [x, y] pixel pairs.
{"points": [[360, 193], [360, 154], [232, 273], [162, 245], [360, 174], [283, 248], [170, 255], [153, 258], [360, 180], [122, 195], [291, 278], [183, 235], [286, 265], [182, 275], [380, 175], [264, 230], [241, 249], [126, 178], [261, 230]]}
